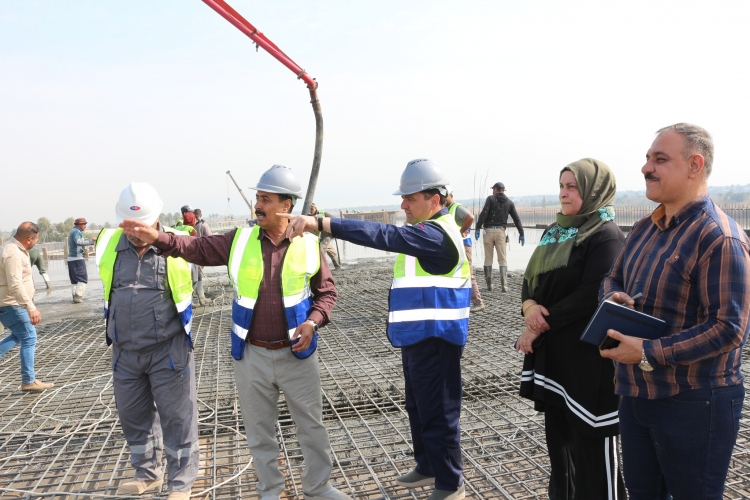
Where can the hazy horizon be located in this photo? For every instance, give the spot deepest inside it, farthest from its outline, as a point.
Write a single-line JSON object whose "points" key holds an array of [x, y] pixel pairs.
{"points": [[95, 95]]}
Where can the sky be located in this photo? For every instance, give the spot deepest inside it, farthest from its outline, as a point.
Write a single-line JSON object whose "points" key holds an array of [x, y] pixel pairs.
{"points": [[95, 95]]}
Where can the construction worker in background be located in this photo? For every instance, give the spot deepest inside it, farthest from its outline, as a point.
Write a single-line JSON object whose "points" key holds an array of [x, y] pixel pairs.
{"points": [[494, 218], [36, 259], [187, 223], [77, 272], [202, 229], [428, 318], [184, 209], [326, 240], [201, 226], [464, 219], [148, 312], [17, 310], [284, 292]]}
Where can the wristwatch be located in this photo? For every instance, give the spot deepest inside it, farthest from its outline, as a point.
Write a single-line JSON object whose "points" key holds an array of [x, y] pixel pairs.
{"points": [[320, 221], [314, 325], [644, 364]]}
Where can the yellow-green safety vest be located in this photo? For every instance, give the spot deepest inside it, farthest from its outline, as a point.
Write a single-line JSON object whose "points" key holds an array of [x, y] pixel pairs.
{"points": [[245, 267], [452, 211], [424, 305], [179, 278]]}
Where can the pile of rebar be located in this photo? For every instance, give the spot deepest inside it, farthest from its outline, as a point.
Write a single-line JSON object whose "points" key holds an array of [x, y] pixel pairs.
{"points": [[67, 442]]}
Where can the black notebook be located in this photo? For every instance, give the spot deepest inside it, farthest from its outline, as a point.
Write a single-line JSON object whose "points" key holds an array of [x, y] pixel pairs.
{"points": [[612, 316]]}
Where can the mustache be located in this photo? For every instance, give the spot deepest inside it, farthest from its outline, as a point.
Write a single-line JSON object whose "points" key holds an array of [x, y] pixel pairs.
{"points": [[260, 212], [651, 177]]}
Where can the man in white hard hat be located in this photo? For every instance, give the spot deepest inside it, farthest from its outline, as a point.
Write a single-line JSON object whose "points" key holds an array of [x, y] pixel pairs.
{"points": [[428, 318], [274, 331], [148, 311]]}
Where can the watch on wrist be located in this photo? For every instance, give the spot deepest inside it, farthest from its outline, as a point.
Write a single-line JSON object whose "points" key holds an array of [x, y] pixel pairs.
{"points": [[314, 325], [320, 222], [644, 364]]}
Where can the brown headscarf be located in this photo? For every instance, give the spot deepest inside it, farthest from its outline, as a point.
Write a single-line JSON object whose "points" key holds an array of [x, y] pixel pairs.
{"points": [[597, 186]]}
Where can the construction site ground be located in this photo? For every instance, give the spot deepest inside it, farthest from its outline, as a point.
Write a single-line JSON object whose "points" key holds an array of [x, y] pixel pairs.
{"points": [[67, 442]]}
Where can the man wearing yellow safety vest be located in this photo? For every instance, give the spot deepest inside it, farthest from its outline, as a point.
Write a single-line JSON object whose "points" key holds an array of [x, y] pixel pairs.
{"points": [[464, 219], [428, 317], [148, 312], [284, 292]]}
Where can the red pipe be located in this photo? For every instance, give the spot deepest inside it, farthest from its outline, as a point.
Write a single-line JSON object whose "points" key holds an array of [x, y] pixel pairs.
{"points": [[231, 15]]}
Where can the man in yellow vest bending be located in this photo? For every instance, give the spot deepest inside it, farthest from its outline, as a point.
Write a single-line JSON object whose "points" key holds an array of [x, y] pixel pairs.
{"points": [[148, 308], [284, 292], [428, 317]]}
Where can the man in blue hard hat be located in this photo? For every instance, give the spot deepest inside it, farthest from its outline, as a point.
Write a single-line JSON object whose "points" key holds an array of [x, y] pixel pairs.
{"points": [[428, 317]]}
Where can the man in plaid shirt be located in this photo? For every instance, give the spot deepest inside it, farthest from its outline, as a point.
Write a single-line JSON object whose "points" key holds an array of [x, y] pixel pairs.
{"points": [[682, 394]]}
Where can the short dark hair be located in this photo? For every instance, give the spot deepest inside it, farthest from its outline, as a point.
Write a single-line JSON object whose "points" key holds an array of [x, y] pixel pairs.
{"points": [[26, 230], [197, 212], [283, 197], [697, 140], [429, 193]]}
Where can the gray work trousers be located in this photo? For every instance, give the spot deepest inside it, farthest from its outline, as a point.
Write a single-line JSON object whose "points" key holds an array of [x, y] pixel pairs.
{"points": [[163, 378], [259, 375]]}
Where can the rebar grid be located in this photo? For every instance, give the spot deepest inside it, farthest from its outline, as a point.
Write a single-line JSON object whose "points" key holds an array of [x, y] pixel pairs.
{"points": [[67, 442]]}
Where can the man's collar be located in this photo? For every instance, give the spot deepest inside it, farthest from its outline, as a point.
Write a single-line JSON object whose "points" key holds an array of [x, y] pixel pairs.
{"points": [[439, 213], [19, 245], [658, 217], [264, 234]]}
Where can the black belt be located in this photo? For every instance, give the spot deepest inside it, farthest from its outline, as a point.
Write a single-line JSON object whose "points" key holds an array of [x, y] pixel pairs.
{"points": [[495, 227]]}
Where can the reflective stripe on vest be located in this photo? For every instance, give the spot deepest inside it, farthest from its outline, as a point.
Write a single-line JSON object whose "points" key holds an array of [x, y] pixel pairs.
{"points": [[300, 262], [423, 305], [452, 211], [179, 279]]}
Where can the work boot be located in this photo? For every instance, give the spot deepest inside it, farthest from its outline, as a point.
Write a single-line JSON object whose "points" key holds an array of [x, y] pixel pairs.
{"points": [[476, 308], [139, 486], [448, 495], [488, 277], [201, 295], [330, 494], [504, 279], [45, 277], [179, 495], [414, 479], [36, 386]]}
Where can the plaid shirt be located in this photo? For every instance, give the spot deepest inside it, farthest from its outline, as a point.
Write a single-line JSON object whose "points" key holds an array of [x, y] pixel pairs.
{"points": [[693, 272]]}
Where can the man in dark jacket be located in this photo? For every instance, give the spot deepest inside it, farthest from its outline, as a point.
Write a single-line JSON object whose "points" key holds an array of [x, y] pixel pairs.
{"points": [[494, 218]]}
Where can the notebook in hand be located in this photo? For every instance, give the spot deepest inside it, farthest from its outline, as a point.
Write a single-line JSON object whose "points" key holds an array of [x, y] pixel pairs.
{"points": [[612, 316]]}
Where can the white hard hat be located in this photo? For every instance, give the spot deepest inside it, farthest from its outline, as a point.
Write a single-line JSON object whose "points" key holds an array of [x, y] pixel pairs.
{"points": [[280, 179], [139, 201], [422, 174]]}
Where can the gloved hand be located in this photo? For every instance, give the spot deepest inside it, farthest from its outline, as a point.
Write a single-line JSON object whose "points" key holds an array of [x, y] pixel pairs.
{"points": [[522, 239], [476, 235]]}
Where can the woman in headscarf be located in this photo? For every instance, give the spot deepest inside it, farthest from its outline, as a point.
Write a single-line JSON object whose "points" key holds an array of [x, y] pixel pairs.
{"points": [[567, 379]]}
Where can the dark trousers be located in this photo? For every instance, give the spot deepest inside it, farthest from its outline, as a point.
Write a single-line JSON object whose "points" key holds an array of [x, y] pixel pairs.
{"points": [[77, 272], [680, 445], [432, 372], [582, 468]]}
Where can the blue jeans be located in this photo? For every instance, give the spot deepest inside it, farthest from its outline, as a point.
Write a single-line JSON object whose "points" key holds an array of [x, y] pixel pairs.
{"points": [[680, 446], [16, 319]]}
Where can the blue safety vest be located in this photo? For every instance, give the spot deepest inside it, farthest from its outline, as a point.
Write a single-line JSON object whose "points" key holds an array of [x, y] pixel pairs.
{"points": [[423, 305]]}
